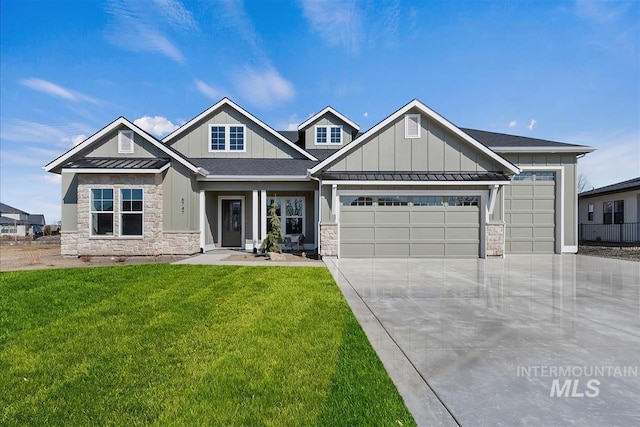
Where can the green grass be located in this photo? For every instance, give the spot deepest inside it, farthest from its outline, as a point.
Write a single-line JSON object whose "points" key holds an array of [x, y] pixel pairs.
{"points": [[187, 345]]}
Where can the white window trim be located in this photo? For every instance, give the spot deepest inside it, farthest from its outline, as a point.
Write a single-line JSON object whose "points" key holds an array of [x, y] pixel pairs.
{"points": [[92, 211], [122, 213], [283, 212], [328, 128], [408, 121], [125, 136], [227, 138]]}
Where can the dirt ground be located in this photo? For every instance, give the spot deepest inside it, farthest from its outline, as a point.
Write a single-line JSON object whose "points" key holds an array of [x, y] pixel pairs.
{"points": [[45, 253], [631, 253]]}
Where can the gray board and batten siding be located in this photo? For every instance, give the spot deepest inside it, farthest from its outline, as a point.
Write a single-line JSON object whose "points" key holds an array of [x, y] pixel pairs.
{"points": [[327, 119]]}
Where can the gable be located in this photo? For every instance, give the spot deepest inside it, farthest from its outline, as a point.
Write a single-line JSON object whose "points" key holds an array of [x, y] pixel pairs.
{"points": [[107, 146], [328, 119], [105, 141], [436, 149], [260, 141]]}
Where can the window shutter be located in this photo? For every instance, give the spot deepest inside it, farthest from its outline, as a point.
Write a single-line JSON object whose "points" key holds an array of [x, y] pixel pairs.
{"points": [[412, 126], [125, 141]]}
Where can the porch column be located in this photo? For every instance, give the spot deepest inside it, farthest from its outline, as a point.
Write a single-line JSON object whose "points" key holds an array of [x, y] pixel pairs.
{"points": [[263, 214], [254, 216], [203, 213], [316, 221]]}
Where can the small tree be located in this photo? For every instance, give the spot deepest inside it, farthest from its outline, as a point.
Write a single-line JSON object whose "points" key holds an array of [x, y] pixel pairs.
{"points": [[275, 236]]}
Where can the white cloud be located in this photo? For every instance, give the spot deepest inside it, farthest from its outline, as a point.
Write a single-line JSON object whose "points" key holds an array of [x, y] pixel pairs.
{"points": [[601, 11], [27, 131], [532, 124], [136, 26], [158, 126], [176, 14], [56, 91], [75, 140], [52, 178], [513, 123], [263, 88], [208, 91], [366, 114], [339, 23]]}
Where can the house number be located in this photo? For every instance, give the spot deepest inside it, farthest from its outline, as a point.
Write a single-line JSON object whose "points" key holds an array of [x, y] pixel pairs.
{"points": [[182, 209]]}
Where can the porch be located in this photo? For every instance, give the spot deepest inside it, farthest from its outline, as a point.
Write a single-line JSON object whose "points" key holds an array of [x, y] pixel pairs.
{"points": [[236, 214]]}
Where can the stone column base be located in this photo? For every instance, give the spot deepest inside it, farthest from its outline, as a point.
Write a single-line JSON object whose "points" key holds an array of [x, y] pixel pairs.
{"points": [[495, 239], [329, 239]]}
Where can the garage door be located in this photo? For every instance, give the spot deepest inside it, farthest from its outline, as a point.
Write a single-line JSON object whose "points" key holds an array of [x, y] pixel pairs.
{"points": [[401, 226], [530, 213]]}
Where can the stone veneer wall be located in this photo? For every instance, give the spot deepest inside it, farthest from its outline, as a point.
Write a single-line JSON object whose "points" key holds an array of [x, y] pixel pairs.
{"points": [[495, 238], [329, 239], [154, 240]]}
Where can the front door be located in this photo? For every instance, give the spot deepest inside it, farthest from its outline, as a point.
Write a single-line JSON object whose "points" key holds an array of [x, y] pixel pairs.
{"points": [[231, 223]]}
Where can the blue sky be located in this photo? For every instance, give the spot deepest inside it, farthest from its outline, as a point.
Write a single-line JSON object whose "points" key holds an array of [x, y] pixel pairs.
{"points": [[565, 71]]}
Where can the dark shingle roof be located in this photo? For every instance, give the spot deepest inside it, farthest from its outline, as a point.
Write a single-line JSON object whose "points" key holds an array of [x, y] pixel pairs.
{"points": [[415, 176], [631, 184], [4, 221], [37, 219], [321, 154], [251, 167], [496, 140], [291, 135], [10, 209], [115, 163]]}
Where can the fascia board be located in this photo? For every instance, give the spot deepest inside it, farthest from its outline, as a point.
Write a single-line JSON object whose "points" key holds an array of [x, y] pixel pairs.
{"points": [[258, 178], [577, 149], [227, 101], [331, 110], [414, 183]]}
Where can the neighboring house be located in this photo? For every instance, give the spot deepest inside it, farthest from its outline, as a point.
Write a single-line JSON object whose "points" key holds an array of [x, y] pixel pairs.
{"points": [[16, 222], [413, 185], [611, 213]]}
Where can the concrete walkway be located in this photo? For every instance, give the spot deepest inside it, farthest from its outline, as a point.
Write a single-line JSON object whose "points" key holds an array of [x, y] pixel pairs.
{"points": [[218, 256]]}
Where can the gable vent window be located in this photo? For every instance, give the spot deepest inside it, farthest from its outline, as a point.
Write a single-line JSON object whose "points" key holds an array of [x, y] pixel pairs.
{"points": [[412, 126], [125, 142], [328, 135]]}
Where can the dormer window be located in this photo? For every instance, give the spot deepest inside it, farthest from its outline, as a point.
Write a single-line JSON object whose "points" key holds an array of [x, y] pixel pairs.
{"points": [[412, 126], [228, 138], [125, 142], [328, 135]]}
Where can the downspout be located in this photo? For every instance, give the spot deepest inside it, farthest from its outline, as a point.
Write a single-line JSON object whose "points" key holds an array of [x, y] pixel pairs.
{"points": [[318, 209]]}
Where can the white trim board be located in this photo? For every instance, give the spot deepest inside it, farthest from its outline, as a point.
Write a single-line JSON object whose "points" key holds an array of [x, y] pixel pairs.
{"points": [[432, 115], [226, 101], [322, 112], [418, 183]]}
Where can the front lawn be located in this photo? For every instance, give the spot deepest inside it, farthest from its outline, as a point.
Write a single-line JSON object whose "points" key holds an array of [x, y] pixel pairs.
{"points": [[187, 345]]}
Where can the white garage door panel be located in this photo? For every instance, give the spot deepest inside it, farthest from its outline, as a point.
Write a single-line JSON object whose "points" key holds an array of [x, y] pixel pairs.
{"points": [[409, 231], [530, 216]]}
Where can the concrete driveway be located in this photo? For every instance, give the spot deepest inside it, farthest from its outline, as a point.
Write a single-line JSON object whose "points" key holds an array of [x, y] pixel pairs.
{"points": [[548, 340]]}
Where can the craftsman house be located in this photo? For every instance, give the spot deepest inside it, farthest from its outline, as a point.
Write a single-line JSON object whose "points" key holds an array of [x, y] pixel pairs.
{"points": [[414, 185]]}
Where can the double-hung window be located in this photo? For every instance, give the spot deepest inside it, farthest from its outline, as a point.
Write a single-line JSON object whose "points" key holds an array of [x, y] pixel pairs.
{"points": [[618, 212], [590, 212], [227, 138], [131, 212], [101, 211], [291, 216], [328, 135]]}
